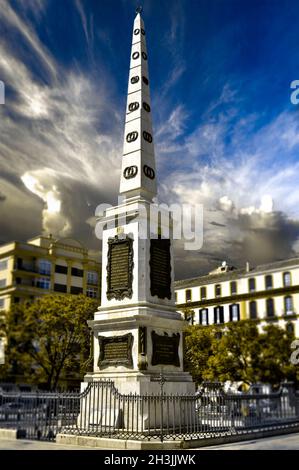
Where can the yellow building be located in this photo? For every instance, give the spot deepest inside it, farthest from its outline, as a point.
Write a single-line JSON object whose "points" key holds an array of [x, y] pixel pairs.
{"points": [[266, 293], [46, 265]]}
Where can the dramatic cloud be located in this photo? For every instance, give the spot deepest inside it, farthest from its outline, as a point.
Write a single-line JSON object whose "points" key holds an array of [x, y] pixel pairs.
{"points": [[61, 133]]}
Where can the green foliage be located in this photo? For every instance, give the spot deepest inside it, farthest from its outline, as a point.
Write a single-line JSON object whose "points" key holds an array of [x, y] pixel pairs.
{"points": [[239, 352], [48, 341]]}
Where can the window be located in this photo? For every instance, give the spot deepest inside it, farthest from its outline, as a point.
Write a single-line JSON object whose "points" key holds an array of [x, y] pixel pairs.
{"points": [[288, 305], [218, 314], [290, 328], [218, 290], [269, 282], [233, 287], [286, 279], [2, 302], [176, 297], [60, 269], [92, 277], [60, 287], [251, 284], [92, 292], [188, 295], [252, 310], [76, 290], [270, 307], [2, 283], [234, 312], [43, 283], [203, 292], [204, 316], [3, 264], [44, 266], [77, 272]]}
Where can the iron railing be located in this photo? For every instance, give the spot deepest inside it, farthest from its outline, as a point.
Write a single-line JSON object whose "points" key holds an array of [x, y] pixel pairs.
{"points": [[100, 410]]}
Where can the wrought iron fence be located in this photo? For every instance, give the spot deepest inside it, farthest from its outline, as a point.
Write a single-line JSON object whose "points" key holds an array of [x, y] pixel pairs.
{"points": [[100, 410]]}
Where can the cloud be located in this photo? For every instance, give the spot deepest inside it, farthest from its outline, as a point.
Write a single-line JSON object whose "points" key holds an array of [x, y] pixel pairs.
{"points": [[69, 137], [42, 184], [87, 25], [247, 184], [10, 17]]}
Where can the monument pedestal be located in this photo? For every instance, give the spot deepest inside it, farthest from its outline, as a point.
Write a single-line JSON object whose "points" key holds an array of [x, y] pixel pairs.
{"points": [[132, 347]]}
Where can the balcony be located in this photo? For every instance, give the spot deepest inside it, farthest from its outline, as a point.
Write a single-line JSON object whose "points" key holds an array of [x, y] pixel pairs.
{"points": [[28, 268]]}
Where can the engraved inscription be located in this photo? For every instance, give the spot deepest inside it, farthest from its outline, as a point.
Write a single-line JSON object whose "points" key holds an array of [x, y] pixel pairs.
{"points": [[165, 349], [116, 350], [160, 273], [120, 268]]}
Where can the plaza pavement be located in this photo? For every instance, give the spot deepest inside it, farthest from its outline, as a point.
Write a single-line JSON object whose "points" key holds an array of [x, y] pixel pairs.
{"points": [[285, 442]]}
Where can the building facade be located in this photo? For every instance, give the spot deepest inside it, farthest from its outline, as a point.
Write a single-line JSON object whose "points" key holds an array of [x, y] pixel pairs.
{"points": [[266, 293], [46, 265]]}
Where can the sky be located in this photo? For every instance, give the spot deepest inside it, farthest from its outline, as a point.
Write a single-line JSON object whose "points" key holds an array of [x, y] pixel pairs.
{"points": [[226, 133]]}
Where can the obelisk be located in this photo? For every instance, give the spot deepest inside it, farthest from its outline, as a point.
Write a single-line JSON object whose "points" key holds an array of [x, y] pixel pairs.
{"points": [[137, 331]]}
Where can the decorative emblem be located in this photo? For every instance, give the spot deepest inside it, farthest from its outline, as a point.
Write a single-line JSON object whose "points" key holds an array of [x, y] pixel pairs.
{"points": [[142, 356], [149, 172], [147, 136], [130, 172], [136, 31], [142, 31], [135, 79], [146, 106], [135, 55], [132, 136], [144, 55], [133, 106], [145, 80]]}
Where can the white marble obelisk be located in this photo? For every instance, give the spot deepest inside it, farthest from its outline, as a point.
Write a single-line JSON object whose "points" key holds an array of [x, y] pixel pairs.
{"points": [[137, 331]]}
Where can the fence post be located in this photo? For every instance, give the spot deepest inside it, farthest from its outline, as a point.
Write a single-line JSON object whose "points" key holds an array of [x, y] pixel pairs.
{"points": [[288, 391], [162, 382]]}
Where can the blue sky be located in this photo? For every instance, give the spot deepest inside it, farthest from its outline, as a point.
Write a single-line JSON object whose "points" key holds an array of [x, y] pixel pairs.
{"points": [[226, 133]]}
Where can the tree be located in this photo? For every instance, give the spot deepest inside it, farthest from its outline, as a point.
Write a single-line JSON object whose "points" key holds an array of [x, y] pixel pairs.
{"points": [[235, 356], [274, 360], [239, 352], [198, 348], [17, 366], [51, 338]]}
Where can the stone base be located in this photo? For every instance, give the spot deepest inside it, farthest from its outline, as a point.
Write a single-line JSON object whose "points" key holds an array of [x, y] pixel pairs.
{"points": [[133, 401], [143, 383]]}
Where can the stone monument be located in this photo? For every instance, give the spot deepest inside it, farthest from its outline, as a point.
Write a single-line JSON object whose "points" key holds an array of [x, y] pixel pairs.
{"points": [[137, 332]]}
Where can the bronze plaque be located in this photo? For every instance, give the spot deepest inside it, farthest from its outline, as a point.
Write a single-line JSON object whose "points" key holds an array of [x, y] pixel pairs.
{"points": [[120, 268], [160, 273], [165, 349], [116, 350]]}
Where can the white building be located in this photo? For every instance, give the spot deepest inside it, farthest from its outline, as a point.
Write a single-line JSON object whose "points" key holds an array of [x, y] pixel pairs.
{"points": [[46, 265], [266, 293]]}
